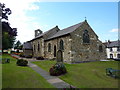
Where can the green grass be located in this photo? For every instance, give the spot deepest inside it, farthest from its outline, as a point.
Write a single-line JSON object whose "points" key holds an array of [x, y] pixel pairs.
{"points": [[14, 76], [0, 74], [86, 75]]}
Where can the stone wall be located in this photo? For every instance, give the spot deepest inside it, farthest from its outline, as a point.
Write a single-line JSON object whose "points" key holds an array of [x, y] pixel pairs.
{"points": [[38, 52], [27, 52], [86, 52], [74, 48], [56, 41]]}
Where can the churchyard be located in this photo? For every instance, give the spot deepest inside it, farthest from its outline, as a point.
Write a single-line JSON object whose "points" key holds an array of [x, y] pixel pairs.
{"points": [[86, 75], [82, 75], [14, 76]]}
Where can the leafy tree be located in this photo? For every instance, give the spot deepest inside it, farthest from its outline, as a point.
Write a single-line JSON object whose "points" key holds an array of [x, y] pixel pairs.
{"points": [[5, 11], [21, 47], [18, 45], [8, 33]]}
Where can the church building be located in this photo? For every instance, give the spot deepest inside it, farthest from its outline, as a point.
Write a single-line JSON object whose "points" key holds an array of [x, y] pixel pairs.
{"points": [[78, 43]]}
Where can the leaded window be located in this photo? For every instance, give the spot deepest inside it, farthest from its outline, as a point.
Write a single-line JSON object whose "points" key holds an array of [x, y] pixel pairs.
{"points": [[38, 46], [86, 38], [49, 47], [34, 47], [100, 48], [61, 45]]}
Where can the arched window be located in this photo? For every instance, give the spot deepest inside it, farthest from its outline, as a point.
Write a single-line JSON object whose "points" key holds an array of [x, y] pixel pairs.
{"points": [[61, 45], [100, 48], [49, 47], [86, 38], [38, 46], [54, 50], [34, 47]]}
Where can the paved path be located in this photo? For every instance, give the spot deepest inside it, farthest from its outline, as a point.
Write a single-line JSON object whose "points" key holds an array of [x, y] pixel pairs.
{"points": [[55, 81]]}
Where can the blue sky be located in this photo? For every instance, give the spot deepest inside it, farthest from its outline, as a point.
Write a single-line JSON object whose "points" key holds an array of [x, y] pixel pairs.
{"points": [[102, 17]]}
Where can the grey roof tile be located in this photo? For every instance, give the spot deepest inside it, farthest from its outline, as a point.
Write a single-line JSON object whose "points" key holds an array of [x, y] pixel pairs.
{"points": [[114, 44], [66, 31], [27, 45]]}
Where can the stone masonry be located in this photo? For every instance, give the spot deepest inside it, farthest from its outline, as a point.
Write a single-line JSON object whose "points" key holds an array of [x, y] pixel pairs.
{"points": [[75, 47]]}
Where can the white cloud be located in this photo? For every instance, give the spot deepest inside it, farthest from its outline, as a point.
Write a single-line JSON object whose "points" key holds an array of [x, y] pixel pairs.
{"points": [[18, 19], [114, 30]]}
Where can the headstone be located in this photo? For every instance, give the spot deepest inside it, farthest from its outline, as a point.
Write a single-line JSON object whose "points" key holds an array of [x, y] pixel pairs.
{"points": [[59, 56]]}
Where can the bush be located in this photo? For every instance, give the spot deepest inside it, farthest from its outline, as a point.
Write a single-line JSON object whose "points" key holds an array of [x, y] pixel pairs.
{"points": [[21, 55], [21, 62], [40, 58], [58, 69]]}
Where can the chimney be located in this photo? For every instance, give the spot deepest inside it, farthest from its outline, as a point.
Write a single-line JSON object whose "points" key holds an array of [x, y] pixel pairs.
{"points": [[38, 32]]}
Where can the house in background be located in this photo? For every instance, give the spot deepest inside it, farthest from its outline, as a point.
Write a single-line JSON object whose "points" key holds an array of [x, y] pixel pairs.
{"points": [[78, 43], [27, 49], [113, 49]]}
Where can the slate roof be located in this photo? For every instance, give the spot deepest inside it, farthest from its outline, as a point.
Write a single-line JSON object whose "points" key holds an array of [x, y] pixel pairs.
{"points": [[27, 45], [65, 31], [41, 35], [113, 44]]}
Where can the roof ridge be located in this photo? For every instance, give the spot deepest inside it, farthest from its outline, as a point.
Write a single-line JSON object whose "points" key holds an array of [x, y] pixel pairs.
{"points": [[66, 31], [73, 25]]}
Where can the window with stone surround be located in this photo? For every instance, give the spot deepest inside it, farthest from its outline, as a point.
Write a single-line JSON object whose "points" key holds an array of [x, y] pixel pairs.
{"points": [[38, 47], [49, 47], [61, 45], [100, 48], [86, 38], [34, 47]]}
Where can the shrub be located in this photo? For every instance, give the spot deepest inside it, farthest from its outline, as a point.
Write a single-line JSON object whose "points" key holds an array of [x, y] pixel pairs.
{"points": [[21, 55], [40, 58], [21, 62], [58, 69]]}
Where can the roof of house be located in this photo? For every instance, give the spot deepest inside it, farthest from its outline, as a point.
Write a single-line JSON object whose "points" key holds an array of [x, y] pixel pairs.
{"points": [[65, 31], [113, 44], [27, 45]]}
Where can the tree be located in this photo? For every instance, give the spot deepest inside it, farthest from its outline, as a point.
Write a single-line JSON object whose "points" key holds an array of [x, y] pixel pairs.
{"points": [[5, 11], [17, 45], [8, 33]]}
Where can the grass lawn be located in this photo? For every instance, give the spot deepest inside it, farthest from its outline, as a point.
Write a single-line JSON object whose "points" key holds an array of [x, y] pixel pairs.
{"points": [[0, 74], [86, 75], [14, 76]]}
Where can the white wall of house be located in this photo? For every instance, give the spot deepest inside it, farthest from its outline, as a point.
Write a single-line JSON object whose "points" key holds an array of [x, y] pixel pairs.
{"points": [[112, 53]]}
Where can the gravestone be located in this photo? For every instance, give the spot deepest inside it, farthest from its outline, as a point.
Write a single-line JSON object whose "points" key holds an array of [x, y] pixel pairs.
{"points": [[59, 57]]}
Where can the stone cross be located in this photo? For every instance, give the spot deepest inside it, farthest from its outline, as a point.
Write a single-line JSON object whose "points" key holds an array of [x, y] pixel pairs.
{"points": [[59, 57]]}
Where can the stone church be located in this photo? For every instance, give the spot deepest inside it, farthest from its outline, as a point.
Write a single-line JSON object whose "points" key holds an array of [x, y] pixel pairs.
{"points": [[78, 43]]}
